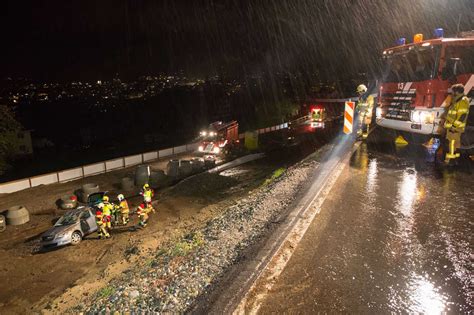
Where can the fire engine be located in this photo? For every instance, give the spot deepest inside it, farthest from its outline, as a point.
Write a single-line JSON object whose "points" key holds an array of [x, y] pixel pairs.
{"points": [[414, 91], [317, 116], [219, 137]]}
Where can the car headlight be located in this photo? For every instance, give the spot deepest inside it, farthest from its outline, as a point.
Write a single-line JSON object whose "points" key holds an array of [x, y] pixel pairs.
{"points": [[203, 133], [427, 117], [216, 150], [61, 235], [415, 116], [378, 112], [201, 148], [424, 117]]}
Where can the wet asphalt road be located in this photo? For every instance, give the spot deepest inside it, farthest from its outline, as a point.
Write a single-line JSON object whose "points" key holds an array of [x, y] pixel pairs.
{"points": [[395, 236]]}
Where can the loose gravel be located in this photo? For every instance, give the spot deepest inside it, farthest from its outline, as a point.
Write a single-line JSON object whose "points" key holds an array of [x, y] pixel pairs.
{"points": [[186, 268]]}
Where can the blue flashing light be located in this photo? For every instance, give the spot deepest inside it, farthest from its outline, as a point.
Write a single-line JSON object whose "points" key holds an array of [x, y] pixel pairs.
{"points": [[401, 41], [439, 33]]}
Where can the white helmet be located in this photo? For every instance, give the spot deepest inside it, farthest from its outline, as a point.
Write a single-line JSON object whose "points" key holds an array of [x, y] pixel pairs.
{"points": [[100, 205], [120, 197], [361, 89]]}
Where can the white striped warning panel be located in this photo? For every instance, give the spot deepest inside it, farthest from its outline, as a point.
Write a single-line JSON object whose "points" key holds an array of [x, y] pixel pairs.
{"points": [[349, 117]]}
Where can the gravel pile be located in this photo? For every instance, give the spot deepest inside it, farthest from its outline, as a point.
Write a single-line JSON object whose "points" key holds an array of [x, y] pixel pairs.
{"points": [[185, 268]]}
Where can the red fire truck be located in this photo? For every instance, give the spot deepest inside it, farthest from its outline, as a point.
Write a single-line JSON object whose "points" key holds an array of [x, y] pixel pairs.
{"points": [[414, 91], [219, 137]]}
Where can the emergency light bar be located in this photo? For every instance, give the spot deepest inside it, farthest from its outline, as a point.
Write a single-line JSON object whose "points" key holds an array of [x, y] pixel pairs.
{"points": [[401, 41], [439, 33], [418, 38]]}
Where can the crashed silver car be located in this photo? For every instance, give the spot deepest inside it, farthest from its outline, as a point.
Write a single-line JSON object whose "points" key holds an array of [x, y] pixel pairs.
{"points": [[70, 228]]}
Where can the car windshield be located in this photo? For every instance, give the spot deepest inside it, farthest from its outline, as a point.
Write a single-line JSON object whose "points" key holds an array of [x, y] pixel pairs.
{"points": [[67, 219], [412, 65]]}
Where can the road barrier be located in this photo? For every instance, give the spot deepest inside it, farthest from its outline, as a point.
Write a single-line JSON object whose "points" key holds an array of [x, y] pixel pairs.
{"points": [[106, 166]]}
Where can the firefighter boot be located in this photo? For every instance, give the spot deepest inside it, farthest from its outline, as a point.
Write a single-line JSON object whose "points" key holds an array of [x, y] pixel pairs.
{"points": [[451, 154], [365, 134]]}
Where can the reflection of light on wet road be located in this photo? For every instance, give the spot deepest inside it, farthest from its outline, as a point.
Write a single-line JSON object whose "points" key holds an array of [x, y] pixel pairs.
{"points": [[425, 298], [407, 192], [372, 178]]}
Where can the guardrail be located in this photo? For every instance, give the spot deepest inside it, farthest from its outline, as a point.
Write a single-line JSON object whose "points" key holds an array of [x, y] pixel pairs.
{"points": [[106, 166]]}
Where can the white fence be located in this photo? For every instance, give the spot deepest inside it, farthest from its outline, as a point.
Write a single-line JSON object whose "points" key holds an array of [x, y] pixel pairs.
{"points": [[106, 166]]}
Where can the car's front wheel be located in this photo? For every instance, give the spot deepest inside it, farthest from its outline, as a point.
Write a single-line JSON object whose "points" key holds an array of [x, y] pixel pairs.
{"points": [[76, 238]]}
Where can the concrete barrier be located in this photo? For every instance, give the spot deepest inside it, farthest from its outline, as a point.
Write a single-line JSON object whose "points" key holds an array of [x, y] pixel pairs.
{"points": [[133, 160], [149, 156], [94, 169], [180, 149], [71, 174], [165, 153], [17, 185], [44, 179], [111, 165]]}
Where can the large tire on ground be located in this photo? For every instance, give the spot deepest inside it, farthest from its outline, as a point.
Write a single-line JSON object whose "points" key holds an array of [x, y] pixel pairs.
{"points": [[3, 223], [17, 215], [172, 169], [142, 175], [198, 165], [76, 238], [127, 184], [157, 178], [185, 168], [68, 202]]}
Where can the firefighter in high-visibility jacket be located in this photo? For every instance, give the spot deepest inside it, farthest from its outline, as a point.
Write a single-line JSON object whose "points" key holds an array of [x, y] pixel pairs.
{"points": [[147, 193], [99, 219], [143, 212], [364, 108], [107, 210], [455, 122], [124, 209]]}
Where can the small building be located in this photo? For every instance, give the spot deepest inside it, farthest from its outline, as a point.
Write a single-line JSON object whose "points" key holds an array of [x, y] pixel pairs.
{"points": [[23, 144]]}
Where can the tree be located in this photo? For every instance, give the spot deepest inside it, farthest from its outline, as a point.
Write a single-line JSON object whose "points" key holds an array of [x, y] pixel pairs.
{"points": [[8, 129]]}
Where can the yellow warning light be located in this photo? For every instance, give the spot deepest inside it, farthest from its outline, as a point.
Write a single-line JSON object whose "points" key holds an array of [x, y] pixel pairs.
{"points": [[418, 38]]}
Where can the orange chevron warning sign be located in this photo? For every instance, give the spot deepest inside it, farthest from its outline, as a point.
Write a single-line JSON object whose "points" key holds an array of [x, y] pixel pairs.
{"points": [[348, 117]]}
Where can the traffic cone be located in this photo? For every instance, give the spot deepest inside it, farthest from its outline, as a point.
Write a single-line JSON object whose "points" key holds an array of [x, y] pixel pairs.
{"points": [[400, 141]]}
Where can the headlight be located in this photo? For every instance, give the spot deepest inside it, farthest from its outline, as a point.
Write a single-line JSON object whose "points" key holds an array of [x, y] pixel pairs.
{"points": [[60, 235], [203, 133], [216, 150], [427, 117], [415, 116], [378, 112], [201, 148], [212, 133], [423, 117]]}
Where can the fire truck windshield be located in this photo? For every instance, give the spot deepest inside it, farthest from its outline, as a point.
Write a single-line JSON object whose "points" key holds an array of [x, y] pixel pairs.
{"points": [[409, 65]]}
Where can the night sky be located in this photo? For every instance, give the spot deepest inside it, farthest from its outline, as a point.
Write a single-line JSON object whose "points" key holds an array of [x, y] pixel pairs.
{"points": [[63, 40]]}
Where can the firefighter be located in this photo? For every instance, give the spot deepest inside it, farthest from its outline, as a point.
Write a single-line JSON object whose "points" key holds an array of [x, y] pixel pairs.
{"points": [[147, 194], [124, 209], [364, 109], [455, 122], [107, 209], [99, 218], [143, 212]]}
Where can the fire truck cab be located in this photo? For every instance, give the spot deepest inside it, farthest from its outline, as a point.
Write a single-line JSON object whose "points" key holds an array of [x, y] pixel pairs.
{"points": [[219, 137], [414, 92]]}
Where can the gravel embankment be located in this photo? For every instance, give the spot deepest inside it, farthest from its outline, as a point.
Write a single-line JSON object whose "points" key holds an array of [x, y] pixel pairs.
{"points": [[185, 268]]}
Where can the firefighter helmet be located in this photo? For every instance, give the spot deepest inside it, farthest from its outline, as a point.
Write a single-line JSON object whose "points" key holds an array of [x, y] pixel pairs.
{"points": [[105, 198], [120, 197], [361, 89], [100, 205], [146, 186]]}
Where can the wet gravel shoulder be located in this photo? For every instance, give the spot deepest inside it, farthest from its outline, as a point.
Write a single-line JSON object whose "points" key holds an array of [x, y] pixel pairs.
{"points": [[183, 273]]}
